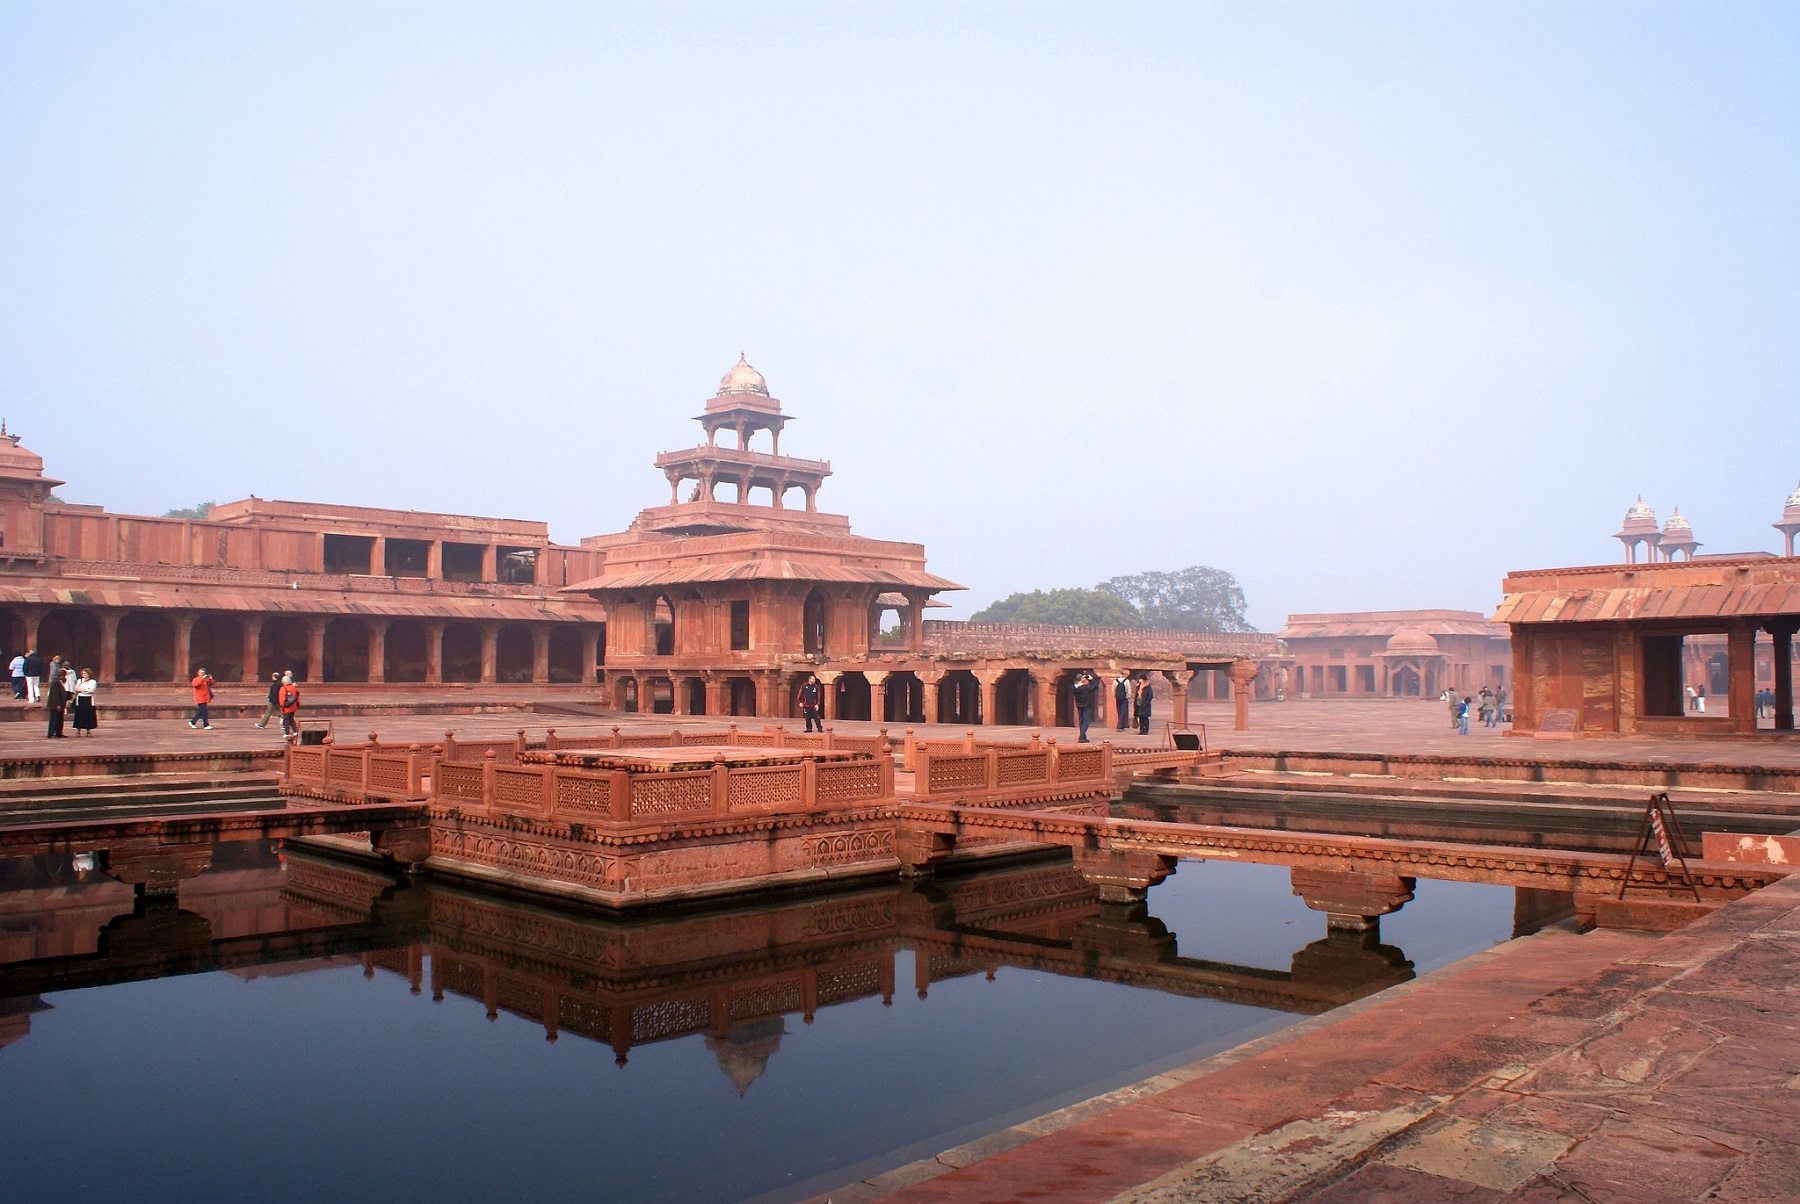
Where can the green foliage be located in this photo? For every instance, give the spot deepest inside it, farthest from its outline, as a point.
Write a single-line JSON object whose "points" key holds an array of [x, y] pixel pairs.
{"points": [[1064, 607], [1197, 598], [199, 511]]}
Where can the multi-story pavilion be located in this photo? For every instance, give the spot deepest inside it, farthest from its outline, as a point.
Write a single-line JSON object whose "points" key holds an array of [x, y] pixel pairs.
{"points": [[335, 593], [721, 605]]}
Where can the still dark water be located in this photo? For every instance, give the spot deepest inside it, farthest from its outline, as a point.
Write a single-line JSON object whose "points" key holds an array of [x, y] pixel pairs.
{"points": [[349, 1038]]}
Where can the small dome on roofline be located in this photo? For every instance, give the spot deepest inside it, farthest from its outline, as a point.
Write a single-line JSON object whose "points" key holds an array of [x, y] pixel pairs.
{"points": [[1640, 511], [1414, 640], [743, 379], [1793, 502], [1677, 523]]}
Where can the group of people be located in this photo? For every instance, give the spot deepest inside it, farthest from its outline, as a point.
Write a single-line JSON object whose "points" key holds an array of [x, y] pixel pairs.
{"points": [[1132, 697], [65, 693], [283, 700], [1489, 706], [1696, 699]]}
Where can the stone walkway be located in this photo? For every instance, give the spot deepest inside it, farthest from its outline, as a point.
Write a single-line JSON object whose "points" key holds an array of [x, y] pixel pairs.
{"points": [[1560, 1067]]}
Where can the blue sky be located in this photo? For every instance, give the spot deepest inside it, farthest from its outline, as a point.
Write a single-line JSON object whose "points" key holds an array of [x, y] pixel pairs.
{"points": [[1366, 303]]}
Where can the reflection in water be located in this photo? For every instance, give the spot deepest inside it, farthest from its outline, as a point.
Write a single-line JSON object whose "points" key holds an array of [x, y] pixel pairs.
{"points": [[741, 984]]}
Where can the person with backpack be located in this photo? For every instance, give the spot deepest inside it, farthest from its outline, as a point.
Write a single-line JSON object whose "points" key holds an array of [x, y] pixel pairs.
{"points": [[289, 701]]}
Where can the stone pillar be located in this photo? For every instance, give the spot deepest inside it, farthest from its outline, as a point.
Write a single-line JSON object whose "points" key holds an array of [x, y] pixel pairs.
{"points": [[768, 694], [828, 704], [915, 624], [990, 695], [378, 629], [490, 562], [315, 648], [1178, 695], [540, 654], [253, 626], [434, 560], [590, 652], [1741, 688], [108, 668], [434, 652], [30, 619], [717, 695], [1782, 632], [1043, 693], [490, 652], [877, 694], [1352, 902], [1242, 673], [378, 556], [183, 623], [931, 679]]}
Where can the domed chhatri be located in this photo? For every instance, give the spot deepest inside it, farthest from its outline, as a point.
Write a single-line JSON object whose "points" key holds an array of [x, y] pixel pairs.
{"points": [[1639, 527], [1412, 641], [1678, 537], [1638, 511], [1676, 523], [743, 379], [1789, 526], [1793, 504]]}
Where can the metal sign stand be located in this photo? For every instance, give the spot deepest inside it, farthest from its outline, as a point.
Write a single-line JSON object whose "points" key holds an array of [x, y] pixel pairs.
{"points": [[1659, 823]]}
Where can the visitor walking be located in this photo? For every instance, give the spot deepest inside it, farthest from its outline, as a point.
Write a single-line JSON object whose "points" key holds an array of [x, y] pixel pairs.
{"points": [[34, 675], [289, 702], [86, 719], [1692, 705], [202, 685], [1700, 698], [1484, 711], [811, 699], [17, 669], [1449, 696], [1086, 692], [56, 702], [1122, 700], [1144, 696], [274, 705], [1462, 716]]}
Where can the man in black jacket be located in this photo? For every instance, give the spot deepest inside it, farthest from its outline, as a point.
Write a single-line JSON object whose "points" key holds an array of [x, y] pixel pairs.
{"points": [[34, 675]]}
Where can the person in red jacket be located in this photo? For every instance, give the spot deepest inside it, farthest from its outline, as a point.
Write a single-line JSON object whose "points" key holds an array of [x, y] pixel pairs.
{"points": [[203, 694], [289, 702]]}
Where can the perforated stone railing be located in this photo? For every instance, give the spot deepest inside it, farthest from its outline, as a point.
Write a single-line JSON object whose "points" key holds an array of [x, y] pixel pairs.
{"points": [[1002, 772]]}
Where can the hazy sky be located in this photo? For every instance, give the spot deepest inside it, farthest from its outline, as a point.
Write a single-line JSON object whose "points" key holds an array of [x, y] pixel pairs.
{"points": [[1366, 303]]}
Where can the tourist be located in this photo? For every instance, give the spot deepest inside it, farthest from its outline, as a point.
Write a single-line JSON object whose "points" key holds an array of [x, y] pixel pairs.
{"points": [[34, 675], [85, 718], [1692, 705], [1085, 692], [289, 702], [1122, 700], [1144, 696], [1449, 696], [1462, 716], [202, 685], [1700, 698], [56, 701], [811, 699], [17, 669], [1485, 710], [274, 705]]}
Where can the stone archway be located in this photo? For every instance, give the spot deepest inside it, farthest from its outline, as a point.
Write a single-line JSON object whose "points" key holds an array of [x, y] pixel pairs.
{"points": [[462, 652], [1012, 698], [72, 633], [145, 647], [217, 641], [852, 701], [905, 698], [514, 653], [565, 656], [286, 647], [346, 650], [959, 698], [405, 655], [815, 635]]}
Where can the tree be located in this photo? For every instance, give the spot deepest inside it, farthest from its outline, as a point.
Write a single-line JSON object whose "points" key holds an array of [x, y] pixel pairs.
{"points": [[1064, 607], [1191, 599], [198, 511]]}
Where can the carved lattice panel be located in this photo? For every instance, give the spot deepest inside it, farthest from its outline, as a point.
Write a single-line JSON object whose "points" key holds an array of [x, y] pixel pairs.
{"points": [[851, 982], [771, 999], [957, 773], [764, 790], [519, 787], [650, 1021], [849, 783], [586, 794], [388, 773], [458, 781], [1024, 769], [667, 794]]}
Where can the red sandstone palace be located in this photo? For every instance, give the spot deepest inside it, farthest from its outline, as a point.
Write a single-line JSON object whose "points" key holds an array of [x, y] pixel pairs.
{"points": [[718, 602]]}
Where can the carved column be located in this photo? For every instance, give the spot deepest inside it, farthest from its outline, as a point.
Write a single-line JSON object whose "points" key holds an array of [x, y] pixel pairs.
{"points": [[490, 652], [378, 629], [30, 619], [828, 678], [434, 560], [990, 694], [1179, 679], [253, 626], [183, 623], [877, 694], [315, 648], [434, 652], [1741, 653], [1352, 902], [1043, 682], [767, 694], [590, 652], [540, 654], [931, 679], [490, 562], [109, 645], [1242, 673], [716, 694]]}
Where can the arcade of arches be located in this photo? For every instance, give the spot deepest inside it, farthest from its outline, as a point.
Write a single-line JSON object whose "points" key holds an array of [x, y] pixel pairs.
{"points": [[167, 645]]}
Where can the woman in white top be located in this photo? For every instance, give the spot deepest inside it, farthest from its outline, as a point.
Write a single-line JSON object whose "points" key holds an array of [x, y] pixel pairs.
{"points": [[85, 719]]}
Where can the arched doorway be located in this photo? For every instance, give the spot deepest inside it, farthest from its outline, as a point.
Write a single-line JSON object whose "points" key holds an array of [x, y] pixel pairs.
{"points": [[662, 624], [1065, 697], [565, 656], [404, 655], [812, 623], [1012, 698], [905, 698], [217, 641], [285, 647], [959, 698], [145, 647], [1406, 682], [740, 693], [462, 652], [513, 653], [346, 650], [852, 702], [71, 633]]}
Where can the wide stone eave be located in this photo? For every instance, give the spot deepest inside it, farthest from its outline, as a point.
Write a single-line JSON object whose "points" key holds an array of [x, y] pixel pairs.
{"points": [[763, 568]]}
